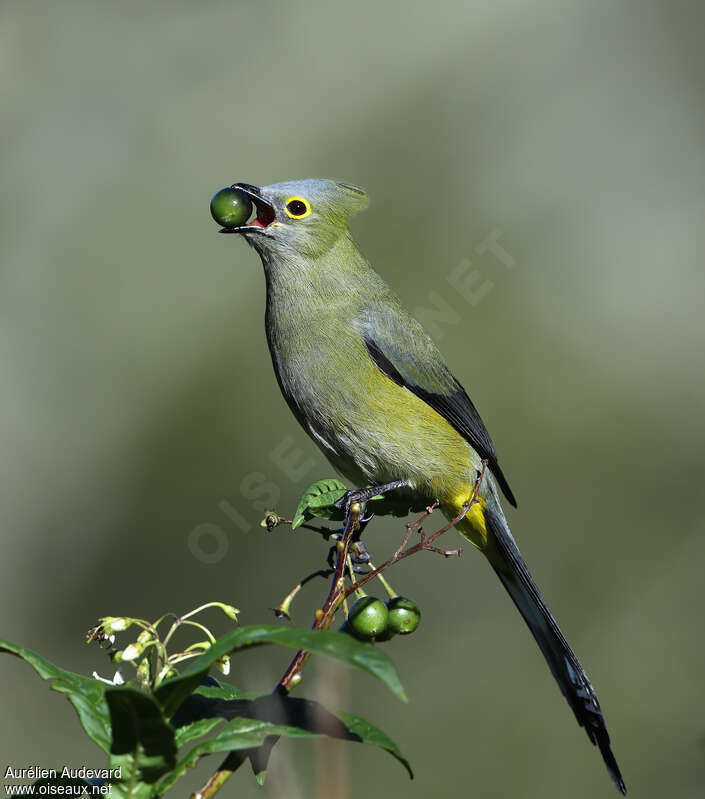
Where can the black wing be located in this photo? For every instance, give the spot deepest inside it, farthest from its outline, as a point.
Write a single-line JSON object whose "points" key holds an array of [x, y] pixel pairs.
{"points": [[420, 369]]}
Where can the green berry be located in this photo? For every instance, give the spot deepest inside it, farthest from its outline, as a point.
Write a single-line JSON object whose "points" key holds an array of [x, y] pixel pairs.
{"points": [[368, 618], [404, 615], [231, 207], [386, 635]]}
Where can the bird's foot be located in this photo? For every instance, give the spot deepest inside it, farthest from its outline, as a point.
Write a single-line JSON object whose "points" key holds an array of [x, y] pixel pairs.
{"points": [[360, 553], [362, 495], [360, 558]]}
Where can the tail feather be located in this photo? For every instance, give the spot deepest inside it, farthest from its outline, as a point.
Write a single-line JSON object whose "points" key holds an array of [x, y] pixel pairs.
{"points": [[569, 674]]}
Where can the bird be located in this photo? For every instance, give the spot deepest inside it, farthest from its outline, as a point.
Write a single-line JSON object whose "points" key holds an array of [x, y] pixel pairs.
{"points": [[370, 387]]}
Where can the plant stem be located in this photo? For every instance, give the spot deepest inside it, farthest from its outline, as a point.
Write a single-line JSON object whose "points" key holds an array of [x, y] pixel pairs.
{"points": [[388, 588], [201, 627], [324, 616], [292, 675], [214, 784], [426, 541]]}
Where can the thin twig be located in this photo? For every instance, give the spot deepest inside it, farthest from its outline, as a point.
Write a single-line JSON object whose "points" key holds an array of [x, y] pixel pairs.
{"points": [[426, 541], [324, 616], [292, 675]]}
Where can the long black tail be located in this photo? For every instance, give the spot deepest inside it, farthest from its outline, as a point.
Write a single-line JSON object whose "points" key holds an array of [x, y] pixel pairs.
{"points": [[570, 676]]}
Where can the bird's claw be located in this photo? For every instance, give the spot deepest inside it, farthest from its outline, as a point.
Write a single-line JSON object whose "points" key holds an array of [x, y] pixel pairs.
{"points": [[362, 554], [362, 495]]}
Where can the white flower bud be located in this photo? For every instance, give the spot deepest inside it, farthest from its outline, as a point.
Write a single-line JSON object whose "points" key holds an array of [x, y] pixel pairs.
{"points": [[115, 624], [130, 652], [223, 664]]}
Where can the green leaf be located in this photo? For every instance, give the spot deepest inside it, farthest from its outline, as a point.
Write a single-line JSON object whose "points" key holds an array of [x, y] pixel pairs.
{"points": [[139, 728], [372, 735], [389, 505], [252, 722], [224, 691], [319, 495], [130, 786], [329, 498], [195, 730], [305, 714], [319, 500], [281, 710], [246, 733], [338, 646], [86, 694], [240, 733]]}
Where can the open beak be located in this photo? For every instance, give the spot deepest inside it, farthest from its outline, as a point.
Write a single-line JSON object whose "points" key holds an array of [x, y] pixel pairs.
{"points": [[265, 212]]}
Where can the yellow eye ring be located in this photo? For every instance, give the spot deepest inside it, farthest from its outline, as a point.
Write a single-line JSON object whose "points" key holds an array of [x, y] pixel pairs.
{"points": [[297, 207]]}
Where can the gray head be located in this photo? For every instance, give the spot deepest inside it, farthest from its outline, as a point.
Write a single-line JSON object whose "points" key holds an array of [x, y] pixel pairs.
{"points": [[299, 217]]}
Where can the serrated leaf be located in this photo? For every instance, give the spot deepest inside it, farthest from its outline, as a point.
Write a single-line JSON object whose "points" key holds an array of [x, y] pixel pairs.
{"points": [[171, 693], [140, 729], [86, 694], [321, 488]]}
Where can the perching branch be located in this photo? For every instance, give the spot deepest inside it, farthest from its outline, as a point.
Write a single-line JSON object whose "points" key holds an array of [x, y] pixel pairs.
{"points": [[324, 616]]}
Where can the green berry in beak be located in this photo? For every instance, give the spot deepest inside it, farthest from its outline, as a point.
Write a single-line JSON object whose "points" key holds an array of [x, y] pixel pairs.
{"points": [[404, 615], [368, 617], [231, 207]]}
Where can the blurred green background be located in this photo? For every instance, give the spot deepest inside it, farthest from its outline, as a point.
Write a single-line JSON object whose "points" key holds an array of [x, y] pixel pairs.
{"points": [[138, 403]]}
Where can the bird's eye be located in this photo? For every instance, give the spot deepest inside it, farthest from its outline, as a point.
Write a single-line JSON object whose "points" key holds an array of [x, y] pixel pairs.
{"points": [[297, 207]]}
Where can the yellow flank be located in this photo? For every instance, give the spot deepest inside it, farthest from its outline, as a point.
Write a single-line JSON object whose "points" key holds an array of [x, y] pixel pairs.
{"points": [[437, 459], [473, 526], [405, 430]]}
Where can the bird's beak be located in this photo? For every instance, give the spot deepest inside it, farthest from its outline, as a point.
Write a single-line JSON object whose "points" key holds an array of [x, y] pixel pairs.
{"points": [[265, 211]]}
